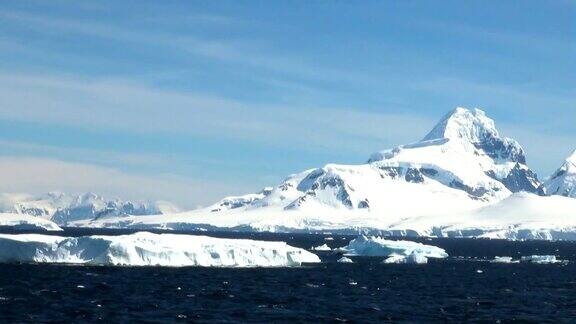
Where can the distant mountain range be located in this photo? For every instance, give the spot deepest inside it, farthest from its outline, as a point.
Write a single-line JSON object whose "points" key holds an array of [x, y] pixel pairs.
{"points": [[63, 208]]}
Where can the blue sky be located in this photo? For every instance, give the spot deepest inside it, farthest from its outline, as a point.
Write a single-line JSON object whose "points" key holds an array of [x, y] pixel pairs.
{"points": [[190, 101]]}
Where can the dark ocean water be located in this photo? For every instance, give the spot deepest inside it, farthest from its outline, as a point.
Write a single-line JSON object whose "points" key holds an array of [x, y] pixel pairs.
{"points": [[460, 288]]}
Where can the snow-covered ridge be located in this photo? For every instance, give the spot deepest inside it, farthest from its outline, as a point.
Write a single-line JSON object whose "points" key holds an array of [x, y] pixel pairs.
{"points": [[464, 150], [563, 181], [472, 128], [27, 222], [63, 208], [147, 249], [463, 163], [234, 202]]}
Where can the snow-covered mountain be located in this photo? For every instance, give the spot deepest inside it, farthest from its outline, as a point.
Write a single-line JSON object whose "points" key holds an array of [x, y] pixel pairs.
{"points": [[563, 181], [463, 179], [64, 208], [463, 162]]}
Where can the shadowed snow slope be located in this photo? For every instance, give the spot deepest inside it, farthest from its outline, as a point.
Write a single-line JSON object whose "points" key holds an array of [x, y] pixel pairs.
{"points": [[563, 181], [147, 249]]}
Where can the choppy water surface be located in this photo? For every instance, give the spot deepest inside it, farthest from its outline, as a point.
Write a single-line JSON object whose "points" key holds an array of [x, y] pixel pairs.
{"points": [[367, 290]]}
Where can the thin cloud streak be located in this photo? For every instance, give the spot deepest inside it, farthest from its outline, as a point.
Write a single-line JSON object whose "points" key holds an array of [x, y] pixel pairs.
{"points": [[137, 108], [246, 52]]}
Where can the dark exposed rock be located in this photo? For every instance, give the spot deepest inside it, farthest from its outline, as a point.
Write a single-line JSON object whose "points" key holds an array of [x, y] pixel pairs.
{"points": [[519, 179], [364, 204], [391, 172], [522, 180], [497, 148], [429, 172], [321, 183], [476, 193], [310, 180], [414, 176]]}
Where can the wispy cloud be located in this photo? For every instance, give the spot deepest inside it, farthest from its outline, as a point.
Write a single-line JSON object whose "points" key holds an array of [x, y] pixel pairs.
{"points": [[141, 109], [525, 41], [248, 52], [138, 108]]}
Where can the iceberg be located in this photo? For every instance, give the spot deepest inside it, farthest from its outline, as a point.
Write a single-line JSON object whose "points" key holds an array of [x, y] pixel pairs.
{"points": [[503, 259], [323, 247], [345, 260], [148, 249], [413, 258], [541, 259], [376, 246]]}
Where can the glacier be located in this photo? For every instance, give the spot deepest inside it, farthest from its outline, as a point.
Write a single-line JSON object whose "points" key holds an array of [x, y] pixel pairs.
{"points": [[323, 247], [148, 249]]}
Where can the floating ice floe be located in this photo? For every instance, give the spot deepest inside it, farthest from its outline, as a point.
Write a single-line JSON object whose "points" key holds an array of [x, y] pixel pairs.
{"points": [[504, 259], [541, 259], [323, 247], [376, 246], [147, 249], [413, 258], [345, 260]]}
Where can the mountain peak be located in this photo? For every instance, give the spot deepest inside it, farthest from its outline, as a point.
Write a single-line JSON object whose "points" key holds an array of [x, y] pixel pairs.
{"points": [[569, 165], [476, 132], [471, 125], [572, 158], [563, 181]]}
